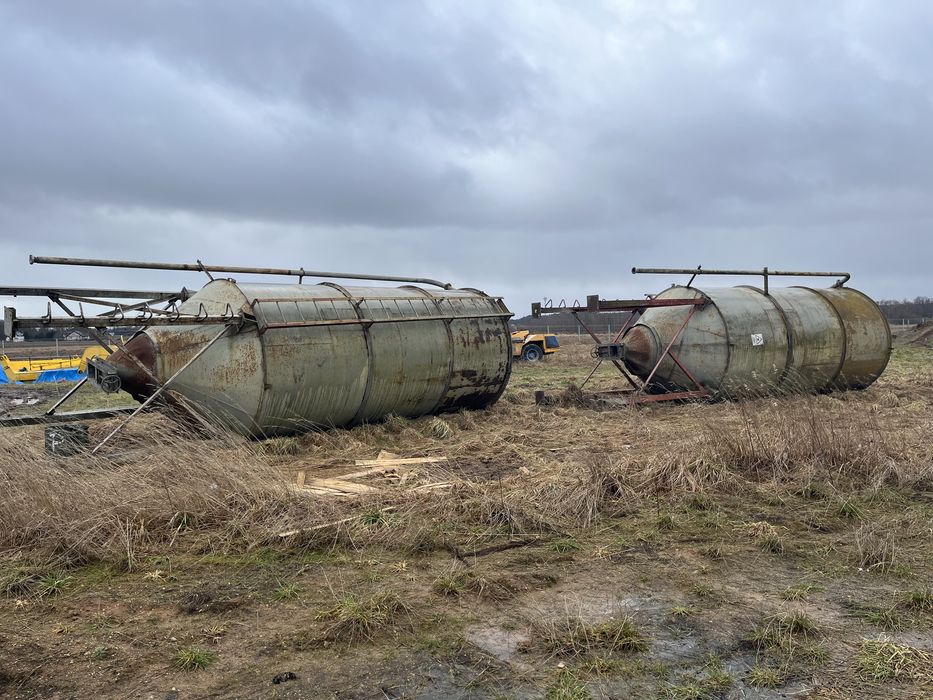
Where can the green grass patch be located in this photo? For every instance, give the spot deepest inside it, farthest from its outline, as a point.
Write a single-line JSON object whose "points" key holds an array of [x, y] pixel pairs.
{"points": [[567, 687], [353, 618], [52, 584], [771, 542], [704, 590], [286, 591], [102, 653], [792, 634], [764, 677], [711, 684], [849, 510], [921, 599], [193, 659], [449, 585], [887, 618], [372, 518]]}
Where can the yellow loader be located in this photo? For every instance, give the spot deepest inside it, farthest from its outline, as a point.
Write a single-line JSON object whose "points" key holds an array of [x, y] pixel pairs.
{"points": [[532, 347]]}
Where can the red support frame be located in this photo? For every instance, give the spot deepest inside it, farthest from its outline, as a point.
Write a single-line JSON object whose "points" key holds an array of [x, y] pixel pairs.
{"points": [[638, 307]]}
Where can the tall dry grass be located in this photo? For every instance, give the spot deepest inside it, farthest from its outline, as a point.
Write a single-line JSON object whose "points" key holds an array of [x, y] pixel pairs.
{"points": [[153, 485], [824, 437], [160, 485]]}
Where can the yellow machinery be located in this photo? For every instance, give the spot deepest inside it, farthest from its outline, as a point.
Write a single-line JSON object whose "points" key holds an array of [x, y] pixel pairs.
{"points": [[533, 346], [51, 369]]}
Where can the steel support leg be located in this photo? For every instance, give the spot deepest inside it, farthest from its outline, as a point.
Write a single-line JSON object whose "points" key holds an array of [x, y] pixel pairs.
{"points": [[159, 391], [67, 396]]}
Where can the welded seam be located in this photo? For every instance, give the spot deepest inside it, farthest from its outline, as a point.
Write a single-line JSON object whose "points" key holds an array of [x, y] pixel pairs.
{"points": [[370, 360]]}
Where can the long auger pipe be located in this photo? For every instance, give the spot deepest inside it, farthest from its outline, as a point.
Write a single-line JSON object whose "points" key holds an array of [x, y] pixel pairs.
{"points": [[200, 267], [765, 272]]}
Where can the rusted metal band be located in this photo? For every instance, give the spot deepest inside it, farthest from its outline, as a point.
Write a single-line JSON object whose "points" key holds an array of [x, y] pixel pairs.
{"points": [[367, 341], [842, 327], [263, 327], [788, 332], [450, 345]]}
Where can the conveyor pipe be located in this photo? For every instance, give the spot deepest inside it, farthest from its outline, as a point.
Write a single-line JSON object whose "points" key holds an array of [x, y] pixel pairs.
{"points": [[233, 269]]}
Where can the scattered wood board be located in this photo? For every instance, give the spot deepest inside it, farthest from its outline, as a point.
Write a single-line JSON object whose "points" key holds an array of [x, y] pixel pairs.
{"points": [[434, 486], [303, 481], [385, 463], [370, 472], [399, 461], [324, 492], [342, 487]]}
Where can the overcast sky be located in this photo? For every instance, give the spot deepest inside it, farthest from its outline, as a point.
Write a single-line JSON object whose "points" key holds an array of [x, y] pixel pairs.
{"points": [[529, 148]]}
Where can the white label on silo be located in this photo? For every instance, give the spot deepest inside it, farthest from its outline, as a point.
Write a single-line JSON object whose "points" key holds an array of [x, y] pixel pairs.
{"points": [[758, 339]]}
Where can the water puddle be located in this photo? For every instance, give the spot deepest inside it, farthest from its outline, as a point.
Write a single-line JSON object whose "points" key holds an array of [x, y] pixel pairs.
{"points": [[499, 643]]}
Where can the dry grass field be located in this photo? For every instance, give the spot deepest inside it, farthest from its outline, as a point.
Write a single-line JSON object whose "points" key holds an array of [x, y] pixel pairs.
{"points": [[780, 547]]}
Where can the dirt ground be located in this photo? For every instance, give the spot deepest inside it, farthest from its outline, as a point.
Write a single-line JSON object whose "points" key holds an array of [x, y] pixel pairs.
{"points": [[775, 548], [920, 335]]}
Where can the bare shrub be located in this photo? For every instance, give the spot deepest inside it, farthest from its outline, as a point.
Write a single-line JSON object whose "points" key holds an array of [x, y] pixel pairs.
{"points": [[687, 470], [573, 635], [574, 495], [875, 547], [792, 633], [353, 617]]}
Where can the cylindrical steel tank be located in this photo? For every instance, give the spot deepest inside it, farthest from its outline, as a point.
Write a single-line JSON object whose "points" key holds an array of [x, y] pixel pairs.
{"points": [[328, 355], [744, 342]]}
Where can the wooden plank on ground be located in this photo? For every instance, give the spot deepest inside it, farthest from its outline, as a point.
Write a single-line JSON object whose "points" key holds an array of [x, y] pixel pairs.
{"points": [[398, 461], [320, 491], [434, 486], [339, 485], [369, 472]]}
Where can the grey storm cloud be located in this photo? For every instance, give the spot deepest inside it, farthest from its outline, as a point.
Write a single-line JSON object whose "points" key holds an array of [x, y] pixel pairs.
{"points": [[531, 148]]}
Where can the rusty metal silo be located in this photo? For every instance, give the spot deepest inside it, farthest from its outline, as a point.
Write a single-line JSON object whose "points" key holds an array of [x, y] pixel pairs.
{"points": [[694, 343], [327, 355], [273, 359], [742, 341]]}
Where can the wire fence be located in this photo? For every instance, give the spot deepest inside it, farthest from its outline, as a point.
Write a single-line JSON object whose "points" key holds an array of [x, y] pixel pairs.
{"points": [[908, 322]]}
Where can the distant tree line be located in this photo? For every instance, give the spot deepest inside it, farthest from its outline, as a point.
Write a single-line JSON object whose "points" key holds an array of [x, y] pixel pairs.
{"points": [[912, 311]]}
